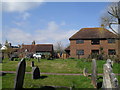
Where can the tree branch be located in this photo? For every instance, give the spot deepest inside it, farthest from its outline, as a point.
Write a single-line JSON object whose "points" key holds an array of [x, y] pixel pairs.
{"points": [[110, 26]]}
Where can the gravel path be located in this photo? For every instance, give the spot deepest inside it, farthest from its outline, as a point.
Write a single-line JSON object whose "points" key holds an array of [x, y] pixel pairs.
{"points": [[53, 73]]}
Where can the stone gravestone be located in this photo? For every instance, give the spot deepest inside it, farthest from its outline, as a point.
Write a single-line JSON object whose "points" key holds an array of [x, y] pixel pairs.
{"points": [[0, 57], [94, 72], [35, 73], [85, 72], [19, 80], [32, 64], [109, 78]]}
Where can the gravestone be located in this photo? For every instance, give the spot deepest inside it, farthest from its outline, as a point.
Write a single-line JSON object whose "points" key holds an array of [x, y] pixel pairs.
{"points": [[94, 72], [110, 62], [35, 73], [32, 64], [109, 78], [38, 59], [1, 57], [19, 80], [85, 72]]}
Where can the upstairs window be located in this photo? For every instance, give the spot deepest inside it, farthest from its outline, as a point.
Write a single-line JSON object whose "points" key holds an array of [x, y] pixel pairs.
{"points": [[80, 52], [79, 41], [111, 40], [95, 42]]}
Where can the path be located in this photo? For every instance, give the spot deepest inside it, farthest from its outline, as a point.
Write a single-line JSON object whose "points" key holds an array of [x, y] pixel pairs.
{"points": [[52, 73]]}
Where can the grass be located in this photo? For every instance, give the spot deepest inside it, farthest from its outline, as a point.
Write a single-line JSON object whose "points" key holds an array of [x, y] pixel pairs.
{"points": [[54, 66], [58, 65], [50, 80]]}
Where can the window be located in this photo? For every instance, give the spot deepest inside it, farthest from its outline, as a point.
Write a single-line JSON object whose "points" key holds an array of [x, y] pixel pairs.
{"points": [[111, 52], [80, 52], [111, 40], [79, 41], [95, 42], [95, 51]]}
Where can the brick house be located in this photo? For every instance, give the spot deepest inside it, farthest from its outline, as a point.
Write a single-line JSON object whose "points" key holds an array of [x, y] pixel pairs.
{"points": [[44, 49], [88, 41]]}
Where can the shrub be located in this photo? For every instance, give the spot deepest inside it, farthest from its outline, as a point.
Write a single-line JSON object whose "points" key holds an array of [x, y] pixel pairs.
{"points": [[71, 58], [17, 59]]}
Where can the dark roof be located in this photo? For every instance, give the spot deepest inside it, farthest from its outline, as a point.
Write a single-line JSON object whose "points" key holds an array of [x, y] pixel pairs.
{"points": [[93, 33], [68, 48], [44, 47], [38, 47]]}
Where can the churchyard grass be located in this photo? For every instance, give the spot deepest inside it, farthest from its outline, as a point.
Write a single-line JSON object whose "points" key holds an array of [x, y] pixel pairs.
{"points": [[50, 80], [58, 65]]}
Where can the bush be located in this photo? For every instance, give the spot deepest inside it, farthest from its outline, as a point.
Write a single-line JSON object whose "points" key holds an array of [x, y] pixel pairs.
{"points": [[17, 59], [114, 58], [71, 58]]}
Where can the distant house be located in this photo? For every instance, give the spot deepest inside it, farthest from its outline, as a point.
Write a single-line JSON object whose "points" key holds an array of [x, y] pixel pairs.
{"points": [[37, 48], [88, 41]]}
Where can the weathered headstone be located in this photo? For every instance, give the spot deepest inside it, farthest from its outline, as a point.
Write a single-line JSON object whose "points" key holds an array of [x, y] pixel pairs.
{"points": [[19, 80], [110, 62], [32, 64], [85, 72], [109, 78], [94, 72], [1, 57], [35, 73], [38, 59]]}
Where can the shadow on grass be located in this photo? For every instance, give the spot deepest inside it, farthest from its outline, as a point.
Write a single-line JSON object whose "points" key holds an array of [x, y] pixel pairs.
{"points": [[100, 81], [47, 88], [2, 73], [43, 77]]}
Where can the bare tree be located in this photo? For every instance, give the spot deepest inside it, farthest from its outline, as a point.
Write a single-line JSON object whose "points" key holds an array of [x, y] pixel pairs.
{"points": [[59, 47], [112, 17]]}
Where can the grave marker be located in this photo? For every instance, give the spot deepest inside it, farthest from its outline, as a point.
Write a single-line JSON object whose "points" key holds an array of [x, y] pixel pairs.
{"points": [[85, 72], [109, 78], [35, 73], [32, 64], [94, 72], [19, 80]]}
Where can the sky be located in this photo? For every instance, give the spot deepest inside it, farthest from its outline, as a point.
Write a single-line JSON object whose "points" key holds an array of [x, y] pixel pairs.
{"points": [[48, 22]]}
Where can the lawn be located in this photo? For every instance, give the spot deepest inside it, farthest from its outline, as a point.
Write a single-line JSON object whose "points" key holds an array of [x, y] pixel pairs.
{"points": [[58, 65], [50, 80], [54, 66]]}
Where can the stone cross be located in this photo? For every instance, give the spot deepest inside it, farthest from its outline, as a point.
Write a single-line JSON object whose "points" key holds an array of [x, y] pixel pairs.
{"points": [[94, 72], [32, 64], [19, 80], [85, 72], [35, 73]]}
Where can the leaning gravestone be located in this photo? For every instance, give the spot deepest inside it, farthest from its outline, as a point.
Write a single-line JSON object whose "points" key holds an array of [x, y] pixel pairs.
{"points": [[20, 75], [35, 73], [85, 72], [94, 72], [32, 64], [109, 79]]}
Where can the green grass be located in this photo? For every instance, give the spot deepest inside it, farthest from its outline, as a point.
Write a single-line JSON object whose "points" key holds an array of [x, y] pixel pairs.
{"points": [[54, 66], [58, 65], [50, 80]]}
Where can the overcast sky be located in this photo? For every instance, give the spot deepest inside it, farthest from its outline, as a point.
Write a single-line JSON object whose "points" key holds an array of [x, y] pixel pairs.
{"points": [[48, 22]]}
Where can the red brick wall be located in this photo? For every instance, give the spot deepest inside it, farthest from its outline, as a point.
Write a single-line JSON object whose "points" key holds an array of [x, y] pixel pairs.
{"points": [[87, 47]]}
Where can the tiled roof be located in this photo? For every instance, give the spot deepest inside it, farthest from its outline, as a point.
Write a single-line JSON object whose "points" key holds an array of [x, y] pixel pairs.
{"points": [[93, 33], [38, 47]]}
